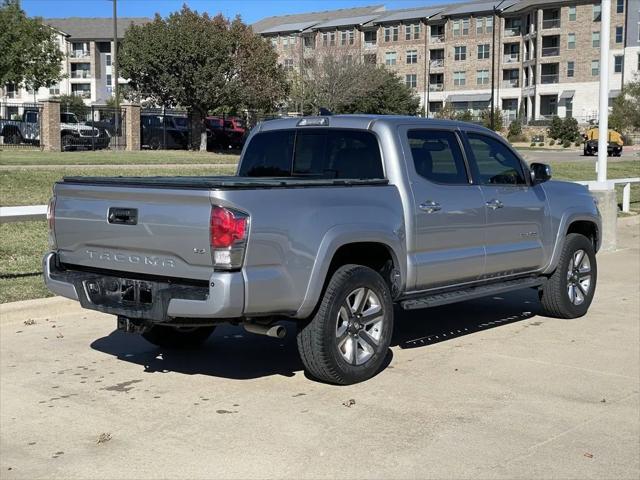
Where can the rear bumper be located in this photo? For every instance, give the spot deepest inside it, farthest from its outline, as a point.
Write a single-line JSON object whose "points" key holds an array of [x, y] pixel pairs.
{"points": [[222, 298]]}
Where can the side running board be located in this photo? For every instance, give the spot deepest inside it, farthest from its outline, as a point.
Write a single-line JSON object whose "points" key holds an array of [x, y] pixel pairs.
{"points": [[435, 299]]}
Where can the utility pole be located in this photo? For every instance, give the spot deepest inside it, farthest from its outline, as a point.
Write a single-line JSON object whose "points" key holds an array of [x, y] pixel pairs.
{"points": [[114, 63], [493, 70], [603, 108]]}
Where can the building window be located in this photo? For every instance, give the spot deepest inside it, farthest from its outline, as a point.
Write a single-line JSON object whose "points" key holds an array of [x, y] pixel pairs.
{"points": [[595, 68], [288, 65], [325, 39], [107, 59], [484, 25], [285, 41], [597, 12], [343, 38], [370, 37], [595, 39], [488, 21], [390, 58], [570, 69], [461, 27], [412, 56], [618, 62], [638, 67], [619, 34], [482, 77], [571, 41], [465, 26], [274, 43], [620, 6], [479, 25], [332, 39], [483, 51], [391, 34], [459, 78], [412, 32], [460, 53], [572, 13], [108, 79], [411, 80], [54, 89]]}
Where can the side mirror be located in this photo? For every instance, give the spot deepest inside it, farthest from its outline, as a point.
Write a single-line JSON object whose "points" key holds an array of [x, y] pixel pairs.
{"points": [[540, 172]]}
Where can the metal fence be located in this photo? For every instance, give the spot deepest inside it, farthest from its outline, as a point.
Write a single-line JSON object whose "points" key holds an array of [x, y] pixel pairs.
{"points": [[20, 125], [167, 129], [95, 127]]}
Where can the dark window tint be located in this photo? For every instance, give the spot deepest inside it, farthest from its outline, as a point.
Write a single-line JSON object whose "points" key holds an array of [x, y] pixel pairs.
{"points": [[269, 155], [437, 156], [319, 153], [496, 163]]}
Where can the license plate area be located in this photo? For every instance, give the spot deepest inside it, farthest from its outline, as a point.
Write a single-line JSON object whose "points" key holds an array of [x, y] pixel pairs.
{"points": [[120, 292]]}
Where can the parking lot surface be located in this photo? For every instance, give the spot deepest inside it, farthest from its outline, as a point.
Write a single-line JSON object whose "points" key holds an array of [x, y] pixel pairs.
{"points": [[483, 389]]}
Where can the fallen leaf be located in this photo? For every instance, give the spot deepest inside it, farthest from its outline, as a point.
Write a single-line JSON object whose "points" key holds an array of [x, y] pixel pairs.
{"points": [[103, 438], [349, 403]]}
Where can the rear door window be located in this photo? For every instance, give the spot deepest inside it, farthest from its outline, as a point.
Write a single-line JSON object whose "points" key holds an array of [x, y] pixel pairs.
{"points": [[315, 153], [437, 156]]}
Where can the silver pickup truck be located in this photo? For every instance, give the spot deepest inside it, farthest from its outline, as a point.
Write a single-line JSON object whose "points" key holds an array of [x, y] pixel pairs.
{"points": [[329, 221]]}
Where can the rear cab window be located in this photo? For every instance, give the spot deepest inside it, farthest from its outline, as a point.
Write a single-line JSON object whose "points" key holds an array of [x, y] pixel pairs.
{"points": [[319, 153]]}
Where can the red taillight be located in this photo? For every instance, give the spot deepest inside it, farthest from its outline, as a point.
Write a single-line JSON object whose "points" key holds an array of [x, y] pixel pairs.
{"points": [[226, 227]]}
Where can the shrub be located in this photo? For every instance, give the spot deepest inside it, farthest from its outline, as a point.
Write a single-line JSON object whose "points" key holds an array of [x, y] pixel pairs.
{"points": [[533, 144], [552, 142], [486, 119], [555, 129], [541, 144], [577, 143], [566, 144], [569, 130], [517, 138]]}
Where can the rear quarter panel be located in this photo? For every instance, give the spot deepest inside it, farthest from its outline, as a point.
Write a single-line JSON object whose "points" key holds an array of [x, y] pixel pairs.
{"points": [[294, 233]]}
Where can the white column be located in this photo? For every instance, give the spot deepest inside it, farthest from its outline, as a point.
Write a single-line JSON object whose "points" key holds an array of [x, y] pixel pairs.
{"points": [[603, 109]]}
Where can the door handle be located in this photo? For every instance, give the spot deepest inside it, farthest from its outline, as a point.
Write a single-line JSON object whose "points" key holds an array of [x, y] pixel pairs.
{"points": [[493, 204], [430, 206]]}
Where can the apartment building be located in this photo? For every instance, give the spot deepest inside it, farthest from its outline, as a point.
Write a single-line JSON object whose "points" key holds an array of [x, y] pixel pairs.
{"points": [[87, 44], [545, 63]]}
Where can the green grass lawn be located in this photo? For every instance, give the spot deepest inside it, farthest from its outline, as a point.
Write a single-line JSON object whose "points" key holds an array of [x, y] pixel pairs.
{"points": [[23, 244], [21, 186], [108, 157]]}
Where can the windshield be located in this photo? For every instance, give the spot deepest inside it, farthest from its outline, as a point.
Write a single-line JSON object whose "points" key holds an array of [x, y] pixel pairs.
{"points": [[68, 118], [181, 122]]}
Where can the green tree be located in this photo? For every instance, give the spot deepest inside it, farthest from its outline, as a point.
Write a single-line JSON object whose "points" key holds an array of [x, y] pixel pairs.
{"points": [[497, 119], [625, 114], [201, 63], [73, 104], [29, 53], [570, 130]]}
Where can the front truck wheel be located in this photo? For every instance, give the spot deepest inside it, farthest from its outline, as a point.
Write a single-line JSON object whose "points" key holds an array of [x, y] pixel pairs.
{"points": [[347, 339], [569, 291], [177, 337]]}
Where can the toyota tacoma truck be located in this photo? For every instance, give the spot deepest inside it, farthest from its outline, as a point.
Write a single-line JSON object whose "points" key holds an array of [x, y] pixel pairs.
{"points": [[328, 222]]}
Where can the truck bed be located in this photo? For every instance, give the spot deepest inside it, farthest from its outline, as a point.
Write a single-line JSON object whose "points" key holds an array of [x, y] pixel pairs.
{"points": [[221, 182]]}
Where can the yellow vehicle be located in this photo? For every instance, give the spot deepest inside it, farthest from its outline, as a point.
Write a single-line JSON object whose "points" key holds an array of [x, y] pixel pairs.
{"points": [[614, 146]]}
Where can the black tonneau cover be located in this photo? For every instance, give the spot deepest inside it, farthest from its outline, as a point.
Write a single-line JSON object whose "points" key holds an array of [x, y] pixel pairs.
{"points": [[221, 182]]}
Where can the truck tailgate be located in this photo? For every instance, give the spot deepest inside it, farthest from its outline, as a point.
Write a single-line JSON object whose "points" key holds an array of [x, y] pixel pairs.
{"points": [[151, 231]]}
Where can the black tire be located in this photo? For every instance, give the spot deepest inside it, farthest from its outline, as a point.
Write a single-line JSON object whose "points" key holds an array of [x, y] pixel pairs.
{"points": [[554, 295], [177, 337], [318, 341], [67, 142]]}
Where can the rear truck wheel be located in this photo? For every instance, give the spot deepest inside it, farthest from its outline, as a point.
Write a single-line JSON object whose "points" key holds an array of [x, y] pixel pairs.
{"points": [[569, 291], [177, 337], [347, 339]]}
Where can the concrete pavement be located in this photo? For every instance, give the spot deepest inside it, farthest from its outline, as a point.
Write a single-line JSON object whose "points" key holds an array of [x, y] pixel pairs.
{"points": [[483, 389]]}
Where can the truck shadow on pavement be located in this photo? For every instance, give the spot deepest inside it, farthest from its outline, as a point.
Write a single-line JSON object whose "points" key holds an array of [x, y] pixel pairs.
{"points": [[233, 353]]}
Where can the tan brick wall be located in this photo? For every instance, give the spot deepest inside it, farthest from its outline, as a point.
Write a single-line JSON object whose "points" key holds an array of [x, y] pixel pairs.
{"points": [[132, 127], [50, 126]]}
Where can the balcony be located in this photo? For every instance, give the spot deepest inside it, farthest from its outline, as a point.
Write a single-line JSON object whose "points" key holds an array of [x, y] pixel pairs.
{"points": [[547, 78], [511, 83], [436, 39], [436, 63], [82, 94], [512, 31], [80, 74], [511, 58], [436, 87], [79, 54], [550, 51], [550, 23]]}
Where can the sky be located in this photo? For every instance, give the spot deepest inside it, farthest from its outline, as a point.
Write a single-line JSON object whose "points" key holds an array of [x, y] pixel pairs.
{"points": [[250, 10]]}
